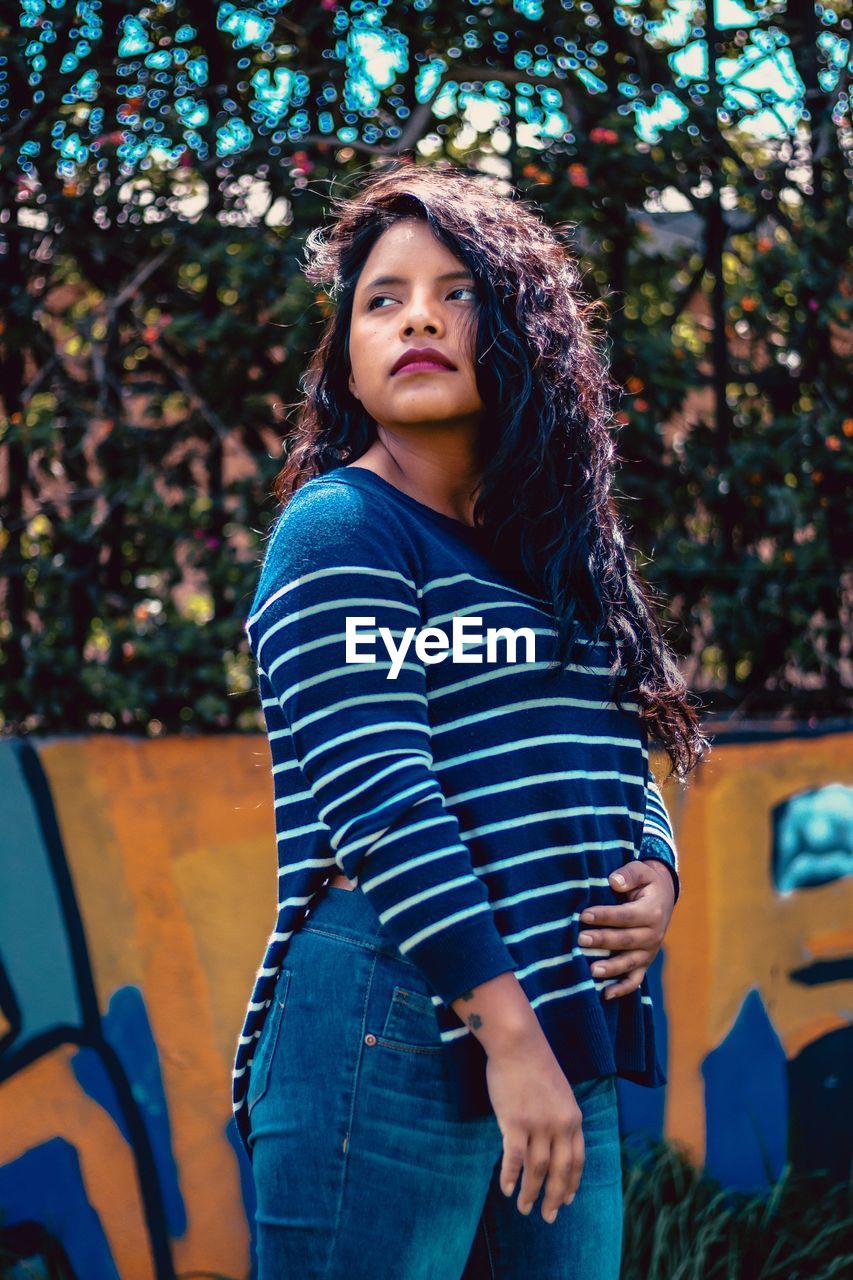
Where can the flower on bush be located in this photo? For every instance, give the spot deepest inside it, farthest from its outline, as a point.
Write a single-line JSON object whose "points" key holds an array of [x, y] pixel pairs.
{"points": [[300, 163]]}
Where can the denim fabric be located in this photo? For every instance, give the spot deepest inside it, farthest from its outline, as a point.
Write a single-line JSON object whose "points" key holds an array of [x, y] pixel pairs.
{"points": [[362, 1170]]}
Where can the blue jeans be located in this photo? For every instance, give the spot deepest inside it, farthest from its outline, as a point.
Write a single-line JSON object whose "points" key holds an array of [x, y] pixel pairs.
{"points": [[362, 1168]]}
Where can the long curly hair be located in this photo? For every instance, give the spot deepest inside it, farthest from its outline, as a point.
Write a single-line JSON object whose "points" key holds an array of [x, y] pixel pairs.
{"points": [[546, 451]]}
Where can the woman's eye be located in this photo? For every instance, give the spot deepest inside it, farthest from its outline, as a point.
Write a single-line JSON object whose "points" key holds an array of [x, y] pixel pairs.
{"points": [[381, 297]]}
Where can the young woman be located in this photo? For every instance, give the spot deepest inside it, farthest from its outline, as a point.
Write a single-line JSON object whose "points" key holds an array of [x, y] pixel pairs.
{"points": [[460, 670]]}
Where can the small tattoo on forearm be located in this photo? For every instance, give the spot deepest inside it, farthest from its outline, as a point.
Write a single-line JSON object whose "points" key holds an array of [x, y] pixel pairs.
{"points": [[474, 1021], [467, 995]]}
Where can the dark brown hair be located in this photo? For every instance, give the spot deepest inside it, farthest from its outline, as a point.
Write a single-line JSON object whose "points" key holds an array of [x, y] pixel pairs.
{"points": [[546, 452]]}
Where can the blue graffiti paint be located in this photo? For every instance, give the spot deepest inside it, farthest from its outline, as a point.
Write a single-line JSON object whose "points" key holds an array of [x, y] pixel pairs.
{"points": [[820, 1079], [746, 1102], [127, 1029], [45, 1185], [813, 838], [33, 917]]}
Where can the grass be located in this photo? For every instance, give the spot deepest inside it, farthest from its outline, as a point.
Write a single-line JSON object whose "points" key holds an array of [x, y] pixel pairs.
{"points": [[681, 1225]]}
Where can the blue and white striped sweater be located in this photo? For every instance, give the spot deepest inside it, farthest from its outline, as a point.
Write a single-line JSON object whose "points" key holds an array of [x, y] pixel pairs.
{"points": [[480, 807]]}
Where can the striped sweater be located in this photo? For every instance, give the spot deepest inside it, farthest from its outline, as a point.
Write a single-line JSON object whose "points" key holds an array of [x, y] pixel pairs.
{"points": [[479, 802]]}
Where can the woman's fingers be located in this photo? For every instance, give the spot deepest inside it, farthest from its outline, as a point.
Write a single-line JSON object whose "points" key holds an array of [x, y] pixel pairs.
{"points": [[618, 939], [620, 915], [536, 1165], [627, 985], [616, 965], [560, 1175], [577, 1164], [513, 1159]]}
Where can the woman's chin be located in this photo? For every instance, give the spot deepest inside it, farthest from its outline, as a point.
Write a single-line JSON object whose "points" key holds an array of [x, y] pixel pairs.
{"points": [[426, 410]]}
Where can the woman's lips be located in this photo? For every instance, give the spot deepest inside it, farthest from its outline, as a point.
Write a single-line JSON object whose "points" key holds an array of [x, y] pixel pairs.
{"points": [[422, 366]]}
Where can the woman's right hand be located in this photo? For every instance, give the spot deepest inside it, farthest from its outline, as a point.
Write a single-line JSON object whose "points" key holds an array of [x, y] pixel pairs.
{"points": [[540, 1121], [532, 1099]]}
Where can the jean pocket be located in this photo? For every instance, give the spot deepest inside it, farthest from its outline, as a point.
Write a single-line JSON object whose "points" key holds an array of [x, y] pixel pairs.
{"points": [[410, 1023], [259, 1070]]}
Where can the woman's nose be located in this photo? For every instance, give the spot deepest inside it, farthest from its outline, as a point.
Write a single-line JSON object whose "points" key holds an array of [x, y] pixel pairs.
{"points": [[427, 326], [422, 317]]}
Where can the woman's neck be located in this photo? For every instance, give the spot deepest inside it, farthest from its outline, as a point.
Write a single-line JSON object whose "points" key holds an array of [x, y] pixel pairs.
{"points": [[433, 481]]}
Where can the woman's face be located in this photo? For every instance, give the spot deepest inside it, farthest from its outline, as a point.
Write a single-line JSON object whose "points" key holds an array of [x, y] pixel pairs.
{"points": [[413, 293]]}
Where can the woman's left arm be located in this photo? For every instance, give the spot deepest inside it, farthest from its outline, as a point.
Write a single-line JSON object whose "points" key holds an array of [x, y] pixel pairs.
{"points": [[636, 928]]}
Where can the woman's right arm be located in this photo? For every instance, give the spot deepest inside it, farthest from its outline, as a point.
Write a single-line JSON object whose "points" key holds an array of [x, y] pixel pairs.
{"points": [[533, 1101]]}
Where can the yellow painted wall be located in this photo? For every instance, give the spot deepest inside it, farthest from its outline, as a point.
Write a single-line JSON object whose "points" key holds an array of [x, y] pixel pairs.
{"points": [[170, 845], [731, 931]]}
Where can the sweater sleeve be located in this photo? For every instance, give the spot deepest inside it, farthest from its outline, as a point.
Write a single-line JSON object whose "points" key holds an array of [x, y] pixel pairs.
{"points": [[658, 839], [362, 737]]}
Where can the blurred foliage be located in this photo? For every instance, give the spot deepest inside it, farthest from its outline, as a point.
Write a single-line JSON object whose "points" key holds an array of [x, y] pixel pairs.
{"points": [[158, 174], [681, 1225]]}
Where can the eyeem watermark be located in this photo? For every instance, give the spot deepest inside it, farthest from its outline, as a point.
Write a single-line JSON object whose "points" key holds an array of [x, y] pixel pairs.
{"points": [[433, 645]]}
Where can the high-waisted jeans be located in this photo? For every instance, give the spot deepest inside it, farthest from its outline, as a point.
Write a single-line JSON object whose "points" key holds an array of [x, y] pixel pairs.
{"points": [[362, 1168]]}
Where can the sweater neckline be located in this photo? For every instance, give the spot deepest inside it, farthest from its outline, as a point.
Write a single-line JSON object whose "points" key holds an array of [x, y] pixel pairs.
{"points": [[363, 478]]}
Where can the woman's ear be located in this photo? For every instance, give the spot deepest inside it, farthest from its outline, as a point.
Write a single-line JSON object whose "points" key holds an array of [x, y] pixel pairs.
{"points": [[351, 385]]}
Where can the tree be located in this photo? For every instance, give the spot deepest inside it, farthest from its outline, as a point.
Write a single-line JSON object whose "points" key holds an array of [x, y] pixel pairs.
{"points": [[160, 171]]}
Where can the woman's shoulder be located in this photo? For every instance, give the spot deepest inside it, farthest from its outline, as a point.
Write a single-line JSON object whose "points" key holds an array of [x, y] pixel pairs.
{"points": [[331, 504], [329, 523]]}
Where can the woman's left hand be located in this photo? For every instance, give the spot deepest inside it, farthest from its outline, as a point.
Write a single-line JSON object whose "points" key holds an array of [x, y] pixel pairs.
{"points": [[634, 928]]}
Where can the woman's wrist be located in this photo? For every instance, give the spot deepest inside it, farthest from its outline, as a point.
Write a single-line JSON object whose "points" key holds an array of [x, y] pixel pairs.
{"points": [[499, 1014]]}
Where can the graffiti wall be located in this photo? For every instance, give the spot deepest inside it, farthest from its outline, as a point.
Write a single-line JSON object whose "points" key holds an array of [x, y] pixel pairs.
{"points": [[137, 887], [758, 970]]}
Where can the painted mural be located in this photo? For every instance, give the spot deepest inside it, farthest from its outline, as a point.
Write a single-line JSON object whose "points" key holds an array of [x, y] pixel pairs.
{"points": [[137, 881]]}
